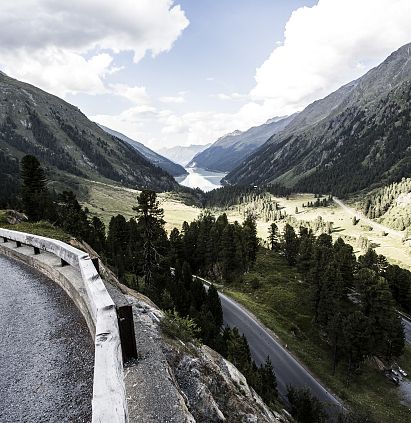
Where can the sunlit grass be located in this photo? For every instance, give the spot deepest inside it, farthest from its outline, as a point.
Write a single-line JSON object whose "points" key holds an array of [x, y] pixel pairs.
{"points": [[276, 295]]}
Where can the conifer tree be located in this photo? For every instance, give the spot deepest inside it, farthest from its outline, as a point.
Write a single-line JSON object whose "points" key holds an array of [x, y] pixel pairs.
{"points": [[150, 219], [273, 238], [36, 200], [290, 245], [250, 238], [268, 383], [214, 305]]}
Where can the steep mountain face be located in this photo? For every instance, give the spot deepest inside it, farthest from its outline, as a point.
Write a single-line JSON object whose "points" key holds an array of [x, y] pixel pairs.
{"points": [[230, 150], [66, 142], [158, 160], [182, 155], [359, 137]]}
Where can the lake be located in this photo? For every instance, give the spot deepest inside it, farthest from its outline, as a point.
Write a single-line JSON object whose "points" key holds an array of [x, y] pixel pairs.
{"points": [[201, 178]]}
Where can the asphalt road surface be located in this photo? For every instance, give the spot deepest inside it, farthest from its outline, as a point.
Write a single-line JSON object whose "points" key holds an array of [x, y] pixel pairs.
{"points": [[46, 351], [407, 330], [287, 369]]}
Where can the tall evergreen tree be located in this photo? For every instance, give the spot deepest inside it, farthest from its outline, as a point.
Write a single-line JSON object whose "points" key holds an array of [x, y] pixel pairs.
{"points": [[150, 219], [305, 408], [273, 237], [250, 239], [36, 200], [357, 340], [290, 245], [214, 305]]}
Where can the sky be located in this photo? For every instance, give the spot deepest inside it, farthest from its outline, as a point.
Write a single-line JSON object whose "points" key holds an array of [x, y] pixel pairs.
{"points": [[186, 72]]}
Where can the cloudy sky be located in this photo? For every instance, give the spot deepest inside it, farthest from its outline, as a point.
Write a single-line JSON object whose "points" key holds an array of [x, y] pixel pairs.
{"points": [[185, 72]]}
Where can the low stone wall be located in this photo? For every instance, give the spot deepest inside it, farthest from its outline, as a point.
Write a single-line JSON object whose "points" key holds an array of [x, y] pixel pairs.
{"points": [[91, 297]]}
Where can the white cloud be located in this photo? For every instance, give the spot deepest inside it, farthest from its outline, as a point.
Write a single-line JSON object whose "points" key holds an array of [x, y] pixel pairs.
{"points": [[178, 99], [53, 37], [324, 47], [328, 45], [232, 96], [137, 95], [59, 71]]}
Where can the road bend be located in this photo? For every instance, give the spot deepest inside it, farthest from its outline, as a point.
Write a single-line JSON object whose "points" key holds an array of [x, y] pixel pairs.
{"points": [[46, 351], [262, 345]]}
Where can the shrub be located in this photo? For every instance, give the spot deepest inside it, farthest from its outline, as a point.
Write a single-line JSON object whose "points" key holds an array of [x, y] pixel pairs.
{"points": [[179, 327]]}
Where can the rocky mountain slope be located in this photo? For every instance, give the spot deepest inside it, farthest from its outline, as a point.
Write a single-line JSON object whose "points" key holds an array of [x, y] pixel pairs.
{"points": [[169, 166], [68, 144], [231, 149], [358, 137], [183, 382], [182, 154]]}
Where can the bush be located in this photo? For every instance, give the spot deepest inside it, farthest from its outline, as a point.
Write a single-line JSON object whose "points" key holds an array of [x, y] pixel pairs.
{"points": [[305, 408], [255, 283], [179, 327]]}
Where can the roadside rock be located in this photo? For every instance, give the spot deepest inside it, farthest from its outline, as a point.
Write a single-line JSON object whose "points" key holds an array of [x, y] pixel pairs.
{"points": [[13, 217], [209, 388]]}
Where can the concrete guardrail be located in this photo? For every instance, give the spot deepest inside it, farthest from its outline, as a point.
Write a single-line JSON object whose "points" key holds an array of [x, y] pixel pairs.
{"points": [[109, 403]]}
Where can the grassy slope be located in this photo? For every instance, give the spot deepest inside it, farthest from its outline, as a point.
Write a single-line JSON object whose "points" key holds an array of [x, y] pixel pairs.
{"points": [[39, 228], [106, 200], [279, 300]]}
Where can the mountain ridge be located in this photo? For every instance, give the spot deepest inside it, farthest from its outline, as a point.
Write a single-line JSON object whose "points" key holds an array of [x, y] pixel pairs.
{"points": [[231, 149], [353, 139], [169, 166], [66, 142], [182, 154]]}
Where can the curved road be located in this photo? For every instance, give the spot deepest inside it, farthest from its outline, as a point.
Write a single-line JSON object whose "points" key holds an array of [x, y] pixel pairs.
{"points": [[407, 330], [262, 344], [287, 369], [46, 351], [375, 225]]}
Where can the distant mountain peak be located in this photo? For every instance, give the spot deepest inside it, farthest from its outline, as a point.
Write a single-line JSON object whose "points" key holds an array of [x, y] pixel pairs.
{"points": [[166, 164], [231, 149]]}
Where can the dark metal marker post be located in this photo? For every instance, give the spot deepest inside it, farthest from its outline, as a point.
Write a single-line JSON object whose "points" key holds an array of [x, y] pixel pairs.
{"points": [[127, 334]]}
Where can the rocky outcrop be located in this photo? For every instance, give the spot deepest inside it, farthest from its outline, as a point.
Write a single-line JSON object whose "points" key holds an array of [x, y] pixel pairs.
{"points": [[172, 381], [198, 382], [13, 217], [216, 391]]}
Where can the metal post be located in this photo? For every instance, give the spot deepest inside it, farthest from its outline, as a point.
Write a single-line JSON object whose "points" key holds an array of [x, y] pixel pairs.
{"points": [[36, 251], [96, 264], [127, 334], [5, 239]]}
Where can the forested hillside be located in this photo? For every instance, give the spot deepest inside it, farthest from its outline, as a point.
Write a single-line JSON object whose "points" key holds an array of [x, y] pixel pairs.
{"points": [[357, 138], [158, 160], [392, 204], [67, 143], [230, 150]]}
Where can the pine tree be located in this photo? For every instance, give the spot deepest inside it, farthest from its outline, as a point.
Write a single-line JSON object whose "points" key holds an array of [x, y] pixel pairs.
{"points": [[346, 261], [357, 340], [36, 200], [150, 219], [290, 245], [250, 238], [322, 256], [268, 383], [305, 408], [214, 305], [117, 242], [305, 252], [273, 238]]}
